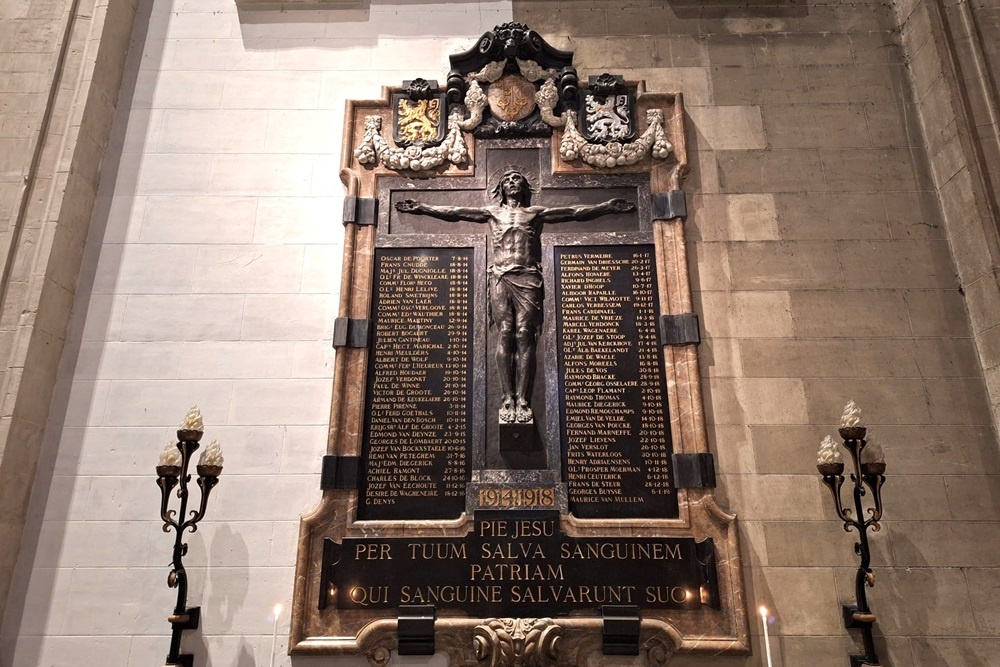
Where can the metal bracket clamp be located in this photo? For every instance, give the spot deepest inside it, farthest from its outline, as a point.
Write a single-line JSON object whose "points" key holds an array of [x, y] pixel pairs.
{"points": [[340, 472], [360, 210], [693, 471], [621, 629], [680, 329], [669, 205], [189, 620], [350, 332], [855, 619], [415, 629]]}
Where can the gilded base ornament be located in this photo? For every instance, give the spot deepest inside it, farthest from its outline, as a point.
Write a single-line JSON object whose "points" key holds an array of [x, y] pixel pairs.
{"points": [[517, 642]]}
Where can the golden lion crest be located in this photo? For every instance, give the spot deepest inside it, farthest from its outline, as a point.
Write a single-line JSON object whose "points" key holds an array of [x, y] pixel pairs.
{"points": [[419, 121]]}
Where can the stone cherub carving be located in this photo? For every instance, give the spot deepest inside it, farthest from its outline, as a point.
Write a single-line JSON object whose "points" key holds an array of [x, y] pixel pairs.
{"points": [[515, 277]]}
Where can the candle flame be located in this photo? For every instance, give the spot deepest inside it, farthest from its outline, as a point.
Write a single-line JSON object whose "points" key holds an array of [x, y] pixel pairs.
{"points": [[763, 611], [277, 610]]}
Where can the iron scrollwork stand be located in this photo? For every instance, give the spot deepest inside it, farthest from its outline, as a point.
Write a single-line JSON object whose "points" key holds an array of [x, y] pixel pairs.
{"points": [[169, 476], [866, 474]]}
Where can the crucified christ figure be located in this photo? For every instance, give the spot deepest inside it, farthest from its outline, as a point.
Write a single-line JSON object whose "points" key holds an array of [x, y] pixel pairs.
{"points": [[515, 276]]}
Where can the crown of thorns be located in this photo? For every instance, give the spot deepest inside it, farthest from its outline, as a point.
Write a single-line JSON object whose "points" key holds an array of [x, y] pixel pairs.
{"points": [[502, 173]]}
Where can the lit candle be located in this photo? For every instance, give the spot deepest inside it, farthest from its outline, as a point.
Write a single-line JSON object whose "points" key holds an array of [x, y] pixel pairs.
{"points": [[274, 635], [767, 640]]}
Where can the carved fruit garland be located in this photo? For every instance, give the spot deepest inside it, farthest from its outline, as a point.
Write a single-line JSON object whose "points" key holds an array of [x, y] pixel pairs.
{"points": [[373, 149], [616, 154]]}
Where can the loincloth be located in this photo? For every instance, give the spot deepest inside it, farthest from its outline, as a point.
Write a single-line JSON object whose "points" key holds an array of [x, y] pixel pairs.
{"points": [[520, 285]]}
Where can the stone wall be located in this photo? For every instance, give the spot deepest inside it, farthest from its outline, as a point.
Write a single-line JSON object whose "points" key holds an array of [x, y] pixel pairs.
{"points": [[211, 278], [823, 272], [952, 47], [820, 259], [62, 69]]}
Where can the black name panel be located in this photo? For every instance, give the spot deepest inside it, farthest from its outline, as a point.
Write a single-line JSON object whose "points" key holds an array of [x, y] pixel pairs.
{"points": [[519, 563], [612, 383], [418, 424]]}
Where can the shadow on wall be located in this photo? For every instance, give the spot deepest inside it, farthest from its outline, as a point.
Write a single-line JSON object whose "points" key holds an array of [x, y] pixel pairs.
{"points": [[35, 598], [228, 547]]}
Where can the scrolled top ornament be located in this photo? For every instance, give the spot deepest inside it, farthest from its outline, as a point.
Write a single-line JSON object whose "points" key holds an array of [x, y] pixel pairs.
{"points": [[512, 83]]}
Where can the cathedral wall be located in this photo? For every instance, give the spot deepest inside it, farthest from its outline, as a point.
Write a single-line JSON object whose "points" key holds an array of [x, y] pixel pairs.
{"points": [[823, 271], [820, 261], [211, 278]]}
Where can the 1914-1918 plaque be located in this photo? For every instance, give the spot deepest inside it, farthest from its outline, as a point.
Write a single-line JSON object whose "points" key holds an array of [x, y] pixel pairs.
{"points": [[518, 470]]}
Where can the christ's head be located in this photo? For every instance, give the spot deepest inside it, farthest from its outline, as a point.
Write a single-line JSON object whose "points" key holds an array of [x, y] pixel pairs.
{"points": [[512, 184]]}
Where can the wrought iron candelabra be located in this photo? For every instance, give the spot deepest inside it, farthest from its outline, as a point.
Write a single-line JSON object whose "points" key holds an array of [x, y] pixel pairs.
{"points": [[172, 471], [867, 478]]}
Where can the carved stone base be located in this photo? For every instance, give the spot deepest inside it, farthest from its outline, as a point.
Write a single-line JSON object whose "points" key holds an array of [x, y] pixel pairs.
{"points": [[518, 642]]}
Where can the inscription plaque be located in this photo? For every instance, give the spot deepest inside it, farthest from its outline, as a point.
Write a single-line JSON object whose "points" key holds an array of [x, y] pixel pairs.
{"points": [[520, 563], [419, 397], [616, 439]]}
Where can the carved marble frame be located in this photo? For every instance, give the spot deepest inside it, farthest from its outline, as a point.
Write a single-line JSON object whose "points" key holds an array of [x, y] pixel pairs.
{"points": [[663, 633]]}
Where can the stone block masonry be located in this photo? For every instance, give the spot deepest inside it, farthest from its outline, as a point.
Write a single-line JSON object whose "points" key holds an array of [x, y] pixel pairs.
{"points": [[826, 176], [842, 245]]}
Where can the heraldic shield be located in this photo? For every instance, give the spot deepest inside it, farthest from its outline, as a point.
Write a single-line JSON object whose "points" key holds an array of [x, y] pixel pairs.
{"points": [[607, 110], [419, 114]]}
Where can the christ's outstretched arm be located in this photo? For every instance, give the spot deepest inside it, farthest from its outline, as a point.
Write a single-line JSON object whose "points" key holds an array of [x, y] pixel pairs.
{"points": [[584, 212], [449, 213]]}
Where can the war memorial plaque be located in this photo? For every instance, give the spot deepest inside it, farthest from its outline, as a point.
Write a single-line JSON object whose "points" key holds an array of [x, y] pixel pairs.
{"points": [[418, 407], [612, 383], [518, 470]]}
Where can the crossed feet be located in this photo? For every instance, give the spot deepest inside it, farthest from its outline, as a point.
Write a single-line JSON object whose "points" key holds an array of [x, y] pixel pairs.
{"points": [[520, 412]]}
